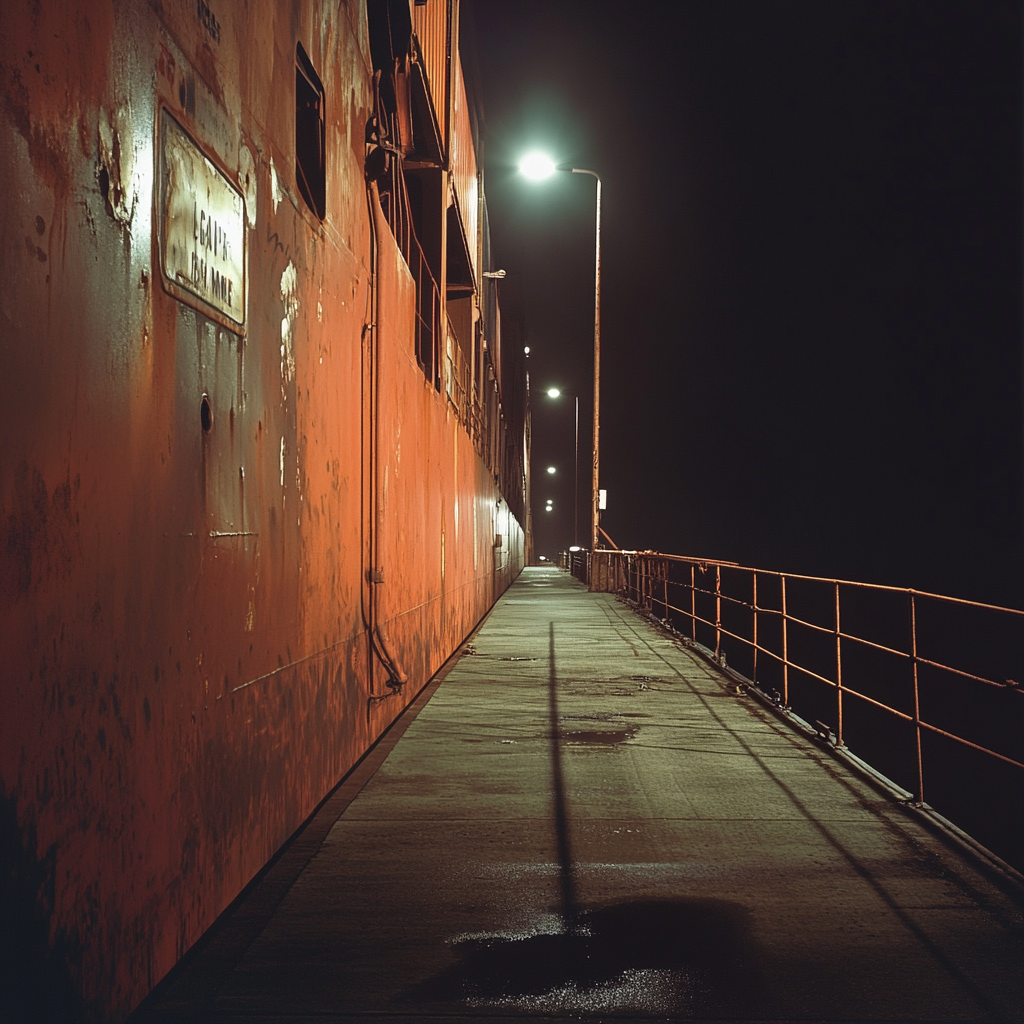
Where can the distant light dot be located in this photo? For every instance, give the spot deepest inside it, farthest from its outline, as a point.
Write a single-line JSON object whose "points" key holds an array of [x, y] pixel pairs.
{"points": [[551, 469], [527, 350], [553, 392]]}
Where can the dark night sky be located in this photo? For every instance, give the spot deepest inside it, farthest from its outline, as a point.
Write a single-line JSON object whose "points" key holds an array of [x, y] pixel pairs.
{"points": [[812, 295]]}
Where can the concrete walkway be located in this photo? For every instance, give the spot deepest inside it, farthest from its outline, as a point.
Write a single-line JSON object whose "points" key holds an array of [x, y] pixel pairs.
{"points": [[585, 819]]}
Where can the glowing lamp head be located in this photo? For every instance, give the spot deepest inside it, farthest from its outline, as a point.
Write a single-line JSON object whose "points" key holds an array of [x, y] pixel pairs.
{"points": [[551, 469], [553, 392], [536, 166]]}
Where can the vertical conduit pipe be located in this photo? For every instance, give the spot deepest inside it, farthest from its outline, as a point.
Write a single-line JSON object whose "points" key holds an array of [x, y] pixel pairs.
{"points": [[379, 642], [365, 453]]}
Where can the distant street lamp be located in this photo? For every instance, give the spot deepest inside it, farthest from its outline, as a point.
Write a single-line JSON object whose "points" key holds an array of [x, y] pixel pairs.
{"points": [[537, 166], [557, 393]]}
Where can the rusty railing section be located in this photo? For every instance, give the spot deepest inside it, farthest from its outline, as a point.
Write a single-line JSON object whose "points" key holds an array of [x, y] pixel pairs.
{"points": [[673, 588]]}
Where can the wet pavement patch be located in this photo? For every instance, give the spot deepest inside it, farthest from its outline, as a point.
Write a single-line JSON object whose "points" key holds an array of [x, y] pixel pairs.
{"points": [[658, 957], [600, 737]]}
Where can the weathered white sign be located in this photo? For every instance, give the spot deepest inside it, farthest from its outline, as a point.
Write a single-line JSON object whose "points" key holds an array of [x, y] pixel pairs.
{"points": [[203, 225]]}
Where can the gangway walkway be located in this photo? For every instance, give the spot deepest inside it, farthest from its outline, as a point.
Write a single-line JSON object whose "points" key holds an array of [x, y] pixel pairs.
{"points": [[587, 819]]}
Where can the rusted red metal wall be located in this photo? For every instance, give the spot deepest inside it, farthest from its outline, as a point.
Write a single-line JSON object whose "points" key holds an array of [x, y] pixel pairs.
{"points": [[463, 163], [432, 23], [201, 608]]}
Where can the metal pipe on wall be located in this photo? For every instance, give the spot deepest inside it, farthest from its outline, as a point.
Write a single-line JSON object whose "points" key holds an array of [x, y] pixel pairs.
{"points": [[379, 643]]}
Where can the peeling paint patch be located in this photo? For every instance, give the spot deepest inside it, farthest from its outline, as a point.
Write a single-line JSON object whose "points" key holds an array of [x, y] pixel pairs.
{"points": [[289, 288], [117, 163], [275, 188], [247, 183]]}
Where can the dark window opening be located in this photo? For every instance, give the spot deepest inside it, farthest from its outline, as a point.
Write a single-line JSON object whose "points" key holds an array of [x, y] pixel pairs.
{"points": [[459, 282], [310, 156]]}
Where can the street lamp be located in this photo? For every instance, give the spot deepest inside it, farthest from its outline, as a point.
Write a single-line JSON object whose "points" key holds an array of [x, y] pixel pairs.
{"points": [[537, 166], [557, 393]]}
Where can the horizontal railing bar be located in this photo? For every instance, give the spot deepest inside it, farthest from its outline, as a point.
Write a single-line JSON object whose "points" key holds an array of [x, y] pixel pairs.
{"points": [[968, 743], [652, 555], [966, 675], [774, 611], [877, 647], [764, 650], [645, 568], [811, 625], [844, 636], [794, 665], [879, 704], [818, 579], [863, 696]]}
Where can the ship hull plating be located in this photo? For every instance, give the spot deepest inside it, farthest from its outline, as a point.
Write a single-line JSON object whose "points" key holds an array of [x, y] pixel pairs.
{"points": [[243, 526]]}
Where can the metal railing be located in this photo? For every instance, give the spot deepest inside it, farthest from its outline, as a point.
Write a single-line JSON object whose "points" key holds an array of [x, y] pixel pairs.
{"points": [[689, 594]]}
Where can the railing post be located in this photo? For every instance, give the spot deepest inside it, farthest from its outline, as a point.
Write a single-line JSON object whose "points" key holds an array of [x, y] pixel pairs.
{"points": [[839, 675], [718, 610], [693, 603], [785, 648], [755, 629], [665, 569], [917, 702]]}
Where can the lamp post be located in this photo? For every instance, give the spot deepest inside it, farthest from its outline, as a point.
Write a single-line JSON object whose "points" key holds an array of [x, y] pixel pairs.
{"points": [[537, 166], [556, 393]]}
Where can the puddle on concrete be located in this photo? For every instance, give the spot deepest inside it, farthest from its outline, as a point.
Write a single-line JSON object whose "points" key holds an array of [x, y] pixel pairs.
{"points": [[632, 687], [685, 957], [609, 733], [599, 737]]}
